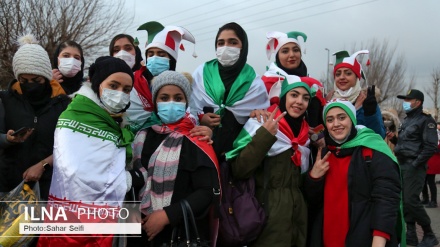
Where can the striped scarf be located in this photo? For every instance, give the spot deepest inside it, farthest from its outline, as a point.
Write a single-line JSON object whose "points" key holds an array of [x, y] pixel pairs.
{"points": [[162, 172]]}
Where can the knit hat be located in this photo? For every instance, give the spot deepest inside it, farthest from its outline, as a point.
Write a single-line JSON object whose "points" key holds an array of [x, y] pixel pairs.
{"points": [[167, 38], [292, 81], [278, 39], [344, 60], [104, 67], [31, 58], [171, 78], [346, 105]]}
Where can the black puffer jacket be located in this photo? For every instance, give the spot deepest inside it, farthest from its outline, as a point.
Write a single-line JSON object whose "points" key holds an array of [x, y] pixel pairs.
{"points": [[417, 140], [19, 157], [373, 194]]}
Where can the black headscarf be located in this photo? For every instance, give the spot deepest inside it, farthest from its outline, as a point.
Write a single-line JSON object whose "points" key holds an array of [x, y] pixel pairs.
{"points": [[300, 71], [230, 74], [138, 53], [294, 123], [70, 84]]}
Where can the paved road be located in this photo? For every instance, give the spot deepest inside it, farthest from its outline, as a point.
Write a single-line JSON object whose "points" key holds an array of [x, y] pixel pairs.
{"points": [[434, 213]]}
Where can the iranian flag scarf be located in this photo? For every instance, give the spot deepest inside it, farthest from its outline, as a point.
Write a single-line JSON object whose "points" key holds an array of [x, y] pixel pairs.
{"points": [[285, 140]]}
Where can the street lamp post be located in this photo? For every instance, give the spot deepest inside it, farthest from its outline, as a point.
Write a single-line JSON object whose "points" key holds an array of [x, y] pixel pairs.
{"points": [[327, 65]]}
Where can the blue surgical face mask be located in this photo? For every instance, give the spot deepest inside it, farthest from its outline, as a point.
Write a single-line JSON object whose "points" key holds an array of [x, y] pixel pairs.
{"points": [[406, 106], [170, 111], [157, 65]]}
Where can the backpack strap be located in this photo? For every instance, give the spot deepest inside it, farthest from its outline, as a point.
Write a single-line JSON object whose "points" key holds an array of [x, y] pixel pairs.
{"points": [[367, 153]]}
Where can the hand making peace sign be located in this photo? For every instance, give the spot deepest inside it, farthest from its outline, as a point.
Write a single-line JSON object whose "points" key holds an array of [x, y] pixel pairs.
{"points": [[271, 124], [321, 166]]}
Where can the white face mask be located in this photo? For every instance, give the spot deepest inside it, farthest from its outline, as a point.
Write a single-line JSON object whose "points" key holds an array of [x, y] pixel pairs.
{"points": [[69, 67], [114, 101], [227, 56], [127, 57]]}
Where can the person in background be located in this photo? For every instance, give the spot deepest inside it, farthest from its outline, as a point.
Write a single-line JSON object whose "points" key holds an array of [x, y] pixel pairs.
{"points": [[392, 125], [161, 55], [359, 178], [276, 152], [92, 175], [32, 101], [347, 74], [227, 89], [288, 61], [68, 60], [433, 169], [416, 143], [180, 167]]}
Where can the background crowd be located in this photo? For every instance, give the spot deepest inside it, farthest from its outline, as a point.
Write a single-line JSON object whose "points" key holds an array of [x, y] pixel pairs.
{"points": [[135, 126]]}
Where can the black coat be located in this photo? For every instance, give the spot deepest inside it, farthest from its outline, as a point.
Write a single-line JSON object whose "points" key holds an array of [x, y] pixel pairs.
{"points": [[19, 157], [417, 140], [195, 180], [373, 194]]}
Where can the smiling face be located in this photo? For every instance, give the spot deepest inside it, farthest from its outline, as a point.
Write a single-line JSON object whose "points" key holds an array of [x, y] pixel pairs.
{"points": [[338, 123], [297, 101], [290, 55], [345, 78]]}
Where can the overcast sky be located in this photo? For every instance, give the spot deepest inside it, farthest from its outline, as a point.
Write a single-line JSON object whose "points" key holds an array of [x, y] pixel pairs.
{"points": [[412, 26]]}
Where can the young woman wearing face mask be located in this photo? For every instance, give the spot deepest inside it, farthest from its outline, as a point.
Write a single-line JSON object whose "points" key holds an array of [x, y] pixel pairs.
{"points": [[69, 66], [190, 173], [93, 172], [34, 100], [161, 56], [276, 152], [226, 89], [359, 178], [347, 74]]}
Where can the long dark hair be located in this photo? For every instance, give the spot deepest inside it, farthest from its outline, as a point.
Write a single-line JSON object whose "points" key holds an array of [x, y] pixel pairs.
{"points": [[138, 53]]}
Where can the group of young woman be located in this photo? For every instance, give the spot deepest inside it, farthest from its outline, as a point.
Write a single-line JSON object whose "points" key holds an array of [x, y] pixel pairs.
{"points": [[181, 127]]}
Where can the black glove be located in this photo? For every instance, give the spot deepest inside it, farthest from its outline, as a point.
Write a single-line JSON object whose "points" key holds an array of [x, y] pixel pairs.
{"points": [[370, 103], [137, 179]]}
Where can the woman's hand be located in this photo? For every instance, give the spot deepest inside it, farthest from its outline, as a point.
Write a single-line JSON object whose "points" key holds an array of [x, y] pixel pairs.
{"points": [[321, 166], [271, 124], [261, 115], [18, 138], [379, 241], [56, 75], [211, 120], [154, 223], [33, 173], [204, 133], [329, 95], [360, 100]]}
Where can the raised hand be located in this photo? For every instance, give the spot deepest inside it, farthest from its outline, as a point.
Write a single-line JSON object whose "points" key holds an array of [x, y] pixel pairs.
{"points": [[321, 165], [271, 124], [370, 102]]}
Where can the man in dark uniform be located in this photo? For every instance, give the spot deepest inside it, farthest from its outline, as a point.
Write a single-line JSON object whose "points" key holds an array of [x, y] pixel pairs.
{"points": [[416, 143]]}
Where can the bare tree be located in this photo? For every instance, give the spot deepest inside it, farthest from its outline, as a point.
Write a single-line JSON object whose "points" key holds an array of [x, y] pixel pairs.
{"points": [[433, 91], [90, 23], [386, 70]]}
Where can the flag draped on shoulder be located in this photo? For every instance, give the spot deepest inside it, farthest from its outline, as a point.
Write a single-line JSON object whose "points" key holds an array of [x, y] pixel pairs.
{"points": [[285, 140], [247, 92]]}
